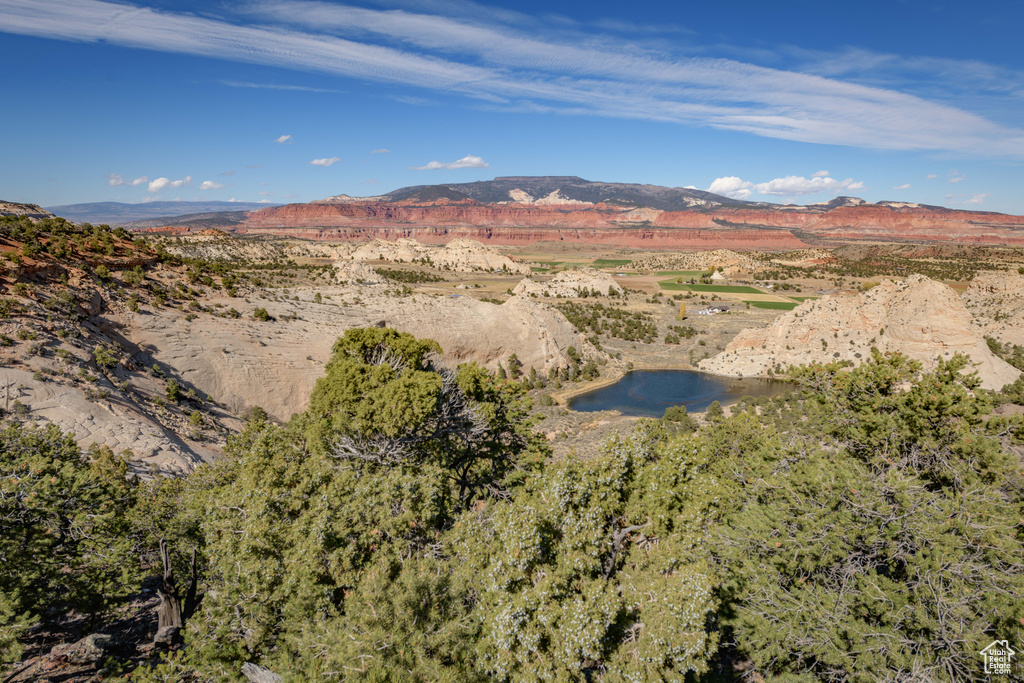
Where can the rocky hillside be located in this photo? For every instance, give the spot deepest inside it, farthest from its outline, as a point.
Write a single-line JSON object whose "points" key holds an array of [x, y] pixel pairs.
{"points": [[459, 254], [717, 258], [918, 317], [128, 347], [569, 283], [996, 300], [33, 211], [241, 362]]}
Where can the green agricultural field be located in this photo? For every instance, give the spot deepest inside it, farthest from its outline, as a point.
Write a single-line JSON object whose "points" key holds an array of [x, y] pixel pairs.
{"points": [[773, 305], [535, 269], [680, 273], [801, 299], [672, 285], [611, 262]]}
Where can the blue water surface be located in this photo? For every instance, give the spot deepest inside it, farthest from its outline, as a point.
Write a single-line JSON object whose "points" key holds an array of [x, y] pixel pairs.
{"points": [[647, 393]]}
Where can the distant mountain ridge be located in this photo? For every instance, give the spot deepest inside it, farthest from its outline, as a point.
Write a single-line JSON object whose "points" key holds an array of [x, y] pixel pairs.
{"points": [[553, 190], [121, 213], [573, 190], [526, 209]]}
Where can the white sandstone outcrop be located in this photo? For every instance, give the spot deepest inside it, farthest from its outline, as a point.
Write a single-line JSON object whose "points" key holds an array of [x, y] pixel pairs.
{"points": [[357, 272], [996, 300], [462, 255], [570, 283], [918, 317], [243, 362]]}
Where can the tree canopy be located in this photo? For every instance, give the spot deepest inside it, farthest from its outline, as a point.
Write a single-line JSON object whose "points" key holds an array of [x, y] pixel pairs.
{"points": [[411, 526]]}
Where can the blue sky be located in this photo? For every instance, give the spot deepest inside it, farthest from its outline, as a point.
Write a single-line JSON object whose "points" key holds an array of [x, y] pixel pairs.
{"points": [[296, 100]]}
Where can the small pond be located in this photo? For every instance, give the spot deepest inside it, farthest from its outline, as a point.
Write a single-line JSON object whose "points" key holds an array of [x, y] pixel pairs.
{"points": [[647, 393]]}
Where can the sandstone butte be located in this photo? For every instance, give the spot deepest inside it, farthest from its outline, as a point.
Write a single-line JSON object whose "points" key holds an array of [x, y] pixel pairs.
{"points": [[762, 228], [918, 317]]}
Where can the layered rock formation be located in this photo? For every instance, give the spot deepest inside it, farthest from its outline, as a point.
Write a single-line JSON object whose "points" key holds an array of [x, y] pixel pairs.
{"points": [[918, 317], [459, 254], [523, 210], [996, 300], [775, 239], [571, 283], [357, 272], [243, 362]]}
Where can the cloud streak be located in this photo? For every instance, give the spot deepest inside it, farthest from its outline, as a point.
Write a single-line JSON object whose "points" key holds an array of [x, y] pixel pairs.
{"points": [[788, 186], [115, 180], [504, 67], [468, 161], [325, 161]]}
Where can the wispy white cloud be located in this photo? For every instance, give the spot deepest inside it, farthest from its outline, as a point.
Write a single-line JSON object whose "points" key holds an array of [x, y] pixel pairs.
{"points": [[904, 186], [932, 176], [955, 176], [936, 78], [504, 65], [978, 198], [325, 161], [210, 185], [283, 139], [796, 186], [468, 161], [381, 151], [788, 186], [115, 179], [277, 86], [161, 183]]}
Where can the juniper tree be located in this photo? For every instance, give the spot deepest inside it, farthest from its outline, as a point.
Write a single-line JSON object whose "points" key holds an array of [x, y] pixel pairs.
{"points": [[64, 542], [597, 570], [894, 551], [332, 518]]}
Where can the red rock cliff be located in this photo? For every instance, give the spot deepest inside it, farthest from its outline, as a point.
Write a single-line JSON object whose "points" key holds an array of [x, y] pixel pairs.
{"points": [[766, 228]]}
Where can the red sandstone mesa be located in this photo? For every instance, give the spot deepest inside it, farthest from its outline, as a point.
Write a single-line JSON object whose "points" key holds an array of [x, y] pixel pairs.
{"points": [[522, 210]]}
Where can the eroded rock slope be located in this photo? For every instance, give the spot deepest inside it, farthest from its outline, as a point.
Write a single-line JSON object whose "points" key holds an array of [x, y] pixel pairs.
{"points": [[918, 317]]}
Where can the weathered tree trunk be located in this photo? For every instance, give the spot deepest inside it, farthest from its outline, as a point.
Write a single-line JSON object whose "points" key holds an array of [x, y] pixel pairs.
{"points": [[169, 621]]}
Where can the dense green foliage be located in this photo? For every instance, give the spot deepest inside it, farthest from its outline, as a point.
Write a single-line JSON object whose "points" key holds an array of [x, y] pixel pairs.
{"points": [[1011, 353], [409, 276], [408, 527], [609, 320], [64, 530], [893, 554]]}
